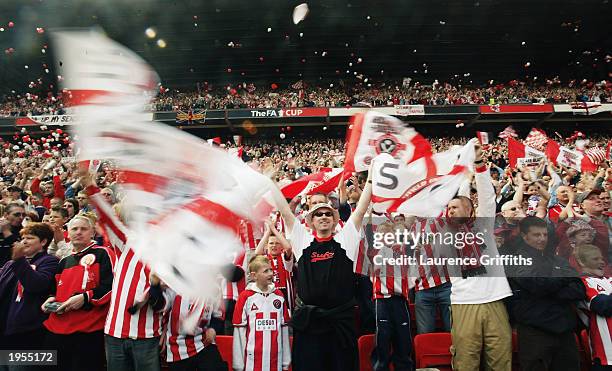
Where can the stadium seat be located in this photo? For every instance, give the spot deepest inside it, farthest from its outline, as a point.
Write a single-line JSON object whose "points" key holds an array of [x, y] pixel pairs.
{"points": [[365, 345], [433, 350], [225, 343]]}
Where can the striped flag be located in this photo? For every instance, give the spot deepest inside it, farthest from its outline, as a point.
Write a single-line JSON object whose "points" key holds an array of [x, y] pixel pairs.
{"points": [[596, 154]]}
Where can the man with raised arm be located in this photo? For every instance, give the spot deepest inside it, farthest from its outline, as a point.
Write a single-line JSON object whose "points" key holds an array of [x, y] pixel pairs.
{"points": [[480, 322], [323, 320]]}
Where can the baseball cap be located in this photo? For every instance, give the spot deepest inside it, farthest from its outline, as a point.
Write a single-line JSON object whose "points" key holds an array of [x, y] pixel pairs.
{"points": [[584, 195]]}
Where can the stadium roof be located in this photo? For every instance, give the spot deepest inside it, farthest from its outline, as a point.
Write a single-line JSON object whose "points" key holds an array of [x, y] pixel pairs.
{"points": [[257, 41]]}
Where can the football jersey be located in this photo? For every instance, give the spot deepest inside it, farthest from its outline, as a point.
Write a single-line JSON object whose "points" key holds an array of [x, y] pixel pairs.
{"points": [[600, 327], [261, 318]]}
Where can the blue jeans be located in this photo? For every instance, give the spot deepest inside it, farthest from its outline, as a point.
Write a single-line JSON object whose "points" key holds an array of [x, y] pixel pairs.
{"points": [[425, 304], [132, 354], [392, 331]]}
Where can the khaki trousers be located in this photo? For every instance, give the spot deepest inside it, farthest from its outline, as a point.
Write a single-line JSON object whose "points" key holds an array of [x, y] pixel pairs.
{"points": [[481, 327]]}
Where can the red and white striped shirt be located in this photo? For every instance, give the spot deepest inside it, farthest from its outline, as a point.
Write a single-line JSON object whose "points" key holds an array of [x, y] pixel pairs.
{"points": [[180, 344], [131, 281], [261, 337], [427, 276], [600, 327]]}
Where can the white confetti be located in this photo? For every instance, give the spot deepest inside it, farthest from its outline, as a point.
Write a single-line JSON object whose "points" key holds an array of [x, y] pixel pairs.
{"points": [[299, 13]]}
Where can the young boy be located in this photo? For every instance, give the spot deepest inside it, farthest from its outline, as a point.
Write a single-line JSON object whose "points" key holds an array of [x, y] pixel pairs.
{"points": [[261, 337], [596, 310]]}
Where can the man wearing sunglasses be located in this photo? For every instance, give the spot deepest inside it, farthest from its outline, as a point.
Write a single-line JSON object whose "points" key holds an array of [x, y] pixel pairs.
{"points": [[323, 320], [10, 225]]}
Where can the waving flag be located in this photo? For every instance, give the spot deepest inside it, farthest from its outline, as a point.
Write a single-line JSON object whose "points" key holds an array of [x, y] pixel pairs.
{"points": [[374, 133], [324, 181], [536, 139], [184, 199], [568, 157], [508, 132], [424, 187], [96, 69], [596, 154], [521, 154]]}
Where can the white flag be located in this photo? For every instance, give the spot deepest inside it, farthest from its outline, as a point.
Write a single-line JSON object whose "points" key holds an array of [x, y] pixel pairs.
{"points": [[424, 187], [374, 133]]}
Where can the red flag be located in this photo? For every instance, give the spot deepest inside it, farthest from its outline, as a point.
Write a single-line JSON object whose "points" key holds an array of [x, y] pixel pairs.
{"points": [[552, 151]]}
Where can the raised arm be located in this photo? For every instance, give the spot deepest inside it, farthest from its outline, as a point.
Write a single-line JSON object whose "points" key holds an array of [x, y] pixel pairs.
{"points": [[261, 246], [363, 203]]}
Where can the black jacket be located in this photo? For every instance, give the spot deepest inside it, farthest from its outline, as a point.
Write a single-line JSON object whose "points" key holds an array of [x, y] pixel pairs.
{"points": [[545, 291]]}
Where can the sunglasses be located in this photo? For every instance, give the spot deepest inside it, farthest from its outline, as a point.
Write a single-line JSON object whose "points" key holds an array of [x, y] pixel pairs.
{"points": [[326, 213], [18, 214]]}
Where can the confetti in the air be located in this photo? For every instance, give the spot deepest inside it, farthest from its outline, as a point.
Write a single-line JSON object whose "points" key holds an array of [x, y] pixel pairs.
{"points": [[300, 12], [150, 33]]}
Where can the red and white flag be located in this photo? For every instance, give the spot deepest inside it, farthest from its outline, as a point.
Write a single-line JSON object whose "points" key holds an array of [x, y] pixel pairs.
{"points": [[96, 69], [521, 154], [536, 139], [596, 154], [586, 108], [574, 159], [424, 187], [324, 181], [184, 199], [374, 133], [483, 137], [508, 132]]}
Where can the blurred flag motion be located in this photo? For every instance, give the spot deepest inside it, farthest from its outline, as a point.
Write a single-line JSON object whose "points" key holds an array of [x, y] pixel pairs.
{"points": [[184, 199]]}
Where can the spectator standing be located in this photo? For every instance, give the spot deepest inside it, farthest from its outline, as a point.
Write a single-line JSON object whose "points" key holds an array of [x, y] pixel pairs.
{"points": [[479, 318], [83, 283], [545, 292], [25, 283], [10, 225], [261, 316], [596, 310]]}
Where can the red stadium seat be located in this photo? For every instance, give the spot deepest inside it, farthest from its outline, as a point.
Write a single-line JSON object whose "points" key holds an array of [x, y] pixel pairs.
{"points": [[365, 345], [225, 343], [433, 350], [516, 366]]}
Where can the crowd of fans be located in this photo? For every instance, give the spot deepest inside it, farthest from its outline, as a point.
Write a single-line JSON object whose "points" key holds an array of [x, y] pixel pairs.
{"points": [[63, 242], [336, 95]]}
